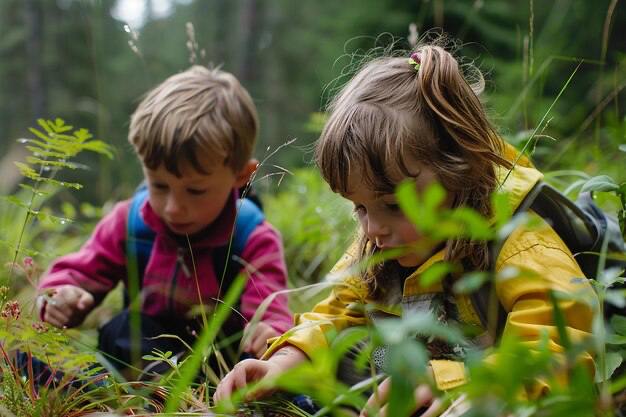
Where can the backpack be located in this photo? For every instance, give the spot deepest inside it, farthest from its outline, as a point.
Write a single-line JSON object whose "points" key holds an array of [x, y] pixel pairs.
{"points": [[140, 239], [582, 226]]}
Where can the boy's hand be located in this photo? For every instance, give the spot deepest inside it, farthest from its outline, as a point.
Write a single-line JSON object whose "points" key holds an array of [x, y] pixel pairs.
{"points": [[65, 306], [255, 338]]}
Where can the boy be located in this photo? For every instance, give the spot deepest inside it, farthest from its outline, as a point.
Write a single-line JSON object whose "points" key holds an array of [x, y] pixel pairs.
{"points": [[194, 135]]}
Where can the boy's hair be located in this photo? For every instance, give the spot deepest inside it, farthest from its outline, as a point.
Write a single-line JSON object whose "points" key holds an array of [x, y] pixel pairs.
{"points": [[389, 114], [199, 111]]}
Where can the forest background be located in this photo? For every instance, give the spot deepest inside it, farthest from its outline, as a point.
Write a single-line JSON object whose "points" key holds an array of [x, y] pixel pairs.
{"points": [[555, 72], [74, 60]]}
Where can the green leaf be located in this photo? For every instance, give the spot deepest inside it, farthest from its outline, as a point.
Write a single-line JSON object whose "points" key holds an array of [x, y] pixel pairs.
{"points": [[82, 135], [618, 324], [475, 226], [46, 125], [600, 183], [502, 210], [99, 147], [616, 339], [470, 283], [434, 196], [58, 220], [39, 151], [559, 321], [39, 134], [611, 276], [27, 171], [15, 201], [50, 163], [68, 209], [407, 361], [65, 184], [409, 202], [60, 126], [612, 361], [34, 190], [435, 273]]}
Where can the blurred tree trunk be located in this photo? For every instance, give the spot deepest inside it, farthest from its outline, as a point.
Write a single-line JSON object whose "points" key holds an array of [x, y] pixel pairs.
{"points": [[249, 33], [36, 91], [222, 34], [33, 18]]}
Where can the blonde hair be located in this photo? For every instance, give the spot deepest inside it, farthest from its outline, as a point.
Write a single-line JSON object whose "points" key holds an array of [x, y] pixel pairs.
{"points": [[389, 113], [198, 111]]}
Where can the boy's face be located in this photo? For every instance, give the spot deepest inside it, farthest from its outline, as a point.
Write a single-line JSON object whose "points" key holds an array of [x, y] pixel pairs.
{"points": [[191, 202]]}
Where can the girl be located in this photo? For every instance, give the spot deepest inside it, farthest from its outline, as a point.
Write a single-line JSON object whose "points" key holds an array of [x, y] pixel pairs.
{"points": [[419, 119]]}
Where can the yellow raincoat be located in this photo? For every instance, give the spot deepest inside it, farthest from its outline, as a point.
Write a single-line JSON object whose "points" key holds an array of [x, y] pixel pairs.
{"points": [[538, 252]]}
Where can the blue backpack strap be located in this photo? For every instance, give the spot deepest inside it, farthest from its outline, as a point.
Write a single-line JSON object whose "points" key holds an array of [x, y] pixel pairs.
{"points": [[139, 237], [227, 265]]}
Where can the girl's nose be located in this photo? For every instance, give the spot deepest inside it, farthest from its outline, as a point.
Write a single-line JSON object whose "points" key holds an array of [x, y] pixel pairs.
{"points": [[376, 230]]}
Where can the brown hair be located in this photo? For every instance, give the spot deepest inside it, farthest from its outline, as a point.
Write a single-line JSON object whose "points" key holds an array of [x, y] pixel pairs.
{"points": [[200, 110], [390, 113]]}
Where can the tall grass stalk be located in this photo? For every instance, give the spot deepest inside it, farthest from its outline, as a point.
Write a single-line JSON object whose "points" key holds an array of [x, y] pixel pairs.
{"points": [[540, 124], [192, 363]]}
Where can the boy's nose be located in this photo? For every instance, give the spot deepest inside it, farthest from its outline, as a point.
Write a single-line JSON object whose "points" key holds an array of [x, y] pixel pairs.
{"points": [[173, 206]]}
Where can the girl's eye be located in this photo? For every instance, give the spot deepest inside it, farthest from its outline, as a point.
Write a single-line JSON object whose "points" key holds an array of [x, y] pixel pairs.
{"points": [[392, 206], [359, 210], [195, 191]]}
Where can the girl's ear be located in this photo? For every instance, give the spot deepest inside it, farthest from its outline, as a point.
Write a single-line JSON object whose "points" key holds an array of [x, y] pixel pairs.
{"points": [[243, 176]]}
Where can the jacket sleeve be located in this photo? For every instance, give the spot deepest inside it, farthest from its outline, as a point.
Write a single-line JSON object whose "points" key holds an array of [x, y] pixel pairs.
{"points": [[538, 262], [267, 277], [343, 308], [545, 264], [101, 261]]}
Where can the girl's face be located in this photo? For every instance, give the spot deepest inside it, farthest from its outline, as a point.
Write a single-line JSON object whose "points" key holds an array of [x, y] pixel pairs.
{"points": [[382, 219]]}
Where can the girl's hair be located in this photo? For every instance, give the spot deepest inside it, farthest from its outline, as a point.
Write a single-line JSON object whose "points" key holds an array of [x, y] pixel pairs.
{"points": [[390, 114], [194, 115]]}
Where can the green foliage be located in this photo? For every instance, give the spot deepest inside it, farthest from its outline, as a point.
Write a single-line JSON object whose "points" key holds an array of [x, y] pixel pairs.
{"points": [[516, 43], [316, 226], [51, 151]]}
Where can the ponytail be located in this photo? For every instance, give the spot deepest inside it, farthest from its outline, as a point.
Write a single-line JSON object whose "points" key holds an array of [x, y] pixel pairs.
{"points": [[465, 134]]}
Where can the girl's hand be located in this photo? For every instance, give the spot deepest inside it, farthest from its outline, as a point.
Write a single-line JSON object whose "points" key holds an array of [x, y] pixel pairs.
{"points": [[252, 370], [244, 373], [65, 306], [255, 338], [425, 401]]}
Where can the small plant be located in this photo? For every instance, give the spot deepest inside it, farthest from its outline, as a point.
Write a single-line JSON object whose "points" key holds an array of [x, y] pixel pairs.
{"points": [[27, 391], [54, 145]]}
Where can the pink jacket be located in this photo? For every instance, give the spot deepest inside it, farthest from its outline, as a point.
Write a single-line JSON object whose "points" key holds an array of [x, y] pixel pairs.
{"points": [[169, 287]]}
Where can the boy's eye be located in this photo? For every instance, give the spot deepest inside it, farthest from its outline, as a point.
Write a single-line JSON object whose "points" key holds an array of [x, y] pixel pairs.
{"points": [[159, 186], [392, 206], [195, 191]]}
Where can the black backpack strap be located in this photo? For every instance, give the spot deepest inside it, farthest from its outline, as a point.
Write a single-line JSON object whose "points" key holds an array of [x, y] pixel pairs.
{"points": [[485, 300], [582, 226], [487, 306]]}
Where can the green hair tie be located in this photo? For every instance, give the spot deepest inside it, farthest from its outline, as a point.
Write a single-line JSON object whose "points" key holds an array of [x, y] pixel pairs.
{"points": [[414, 61]]}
